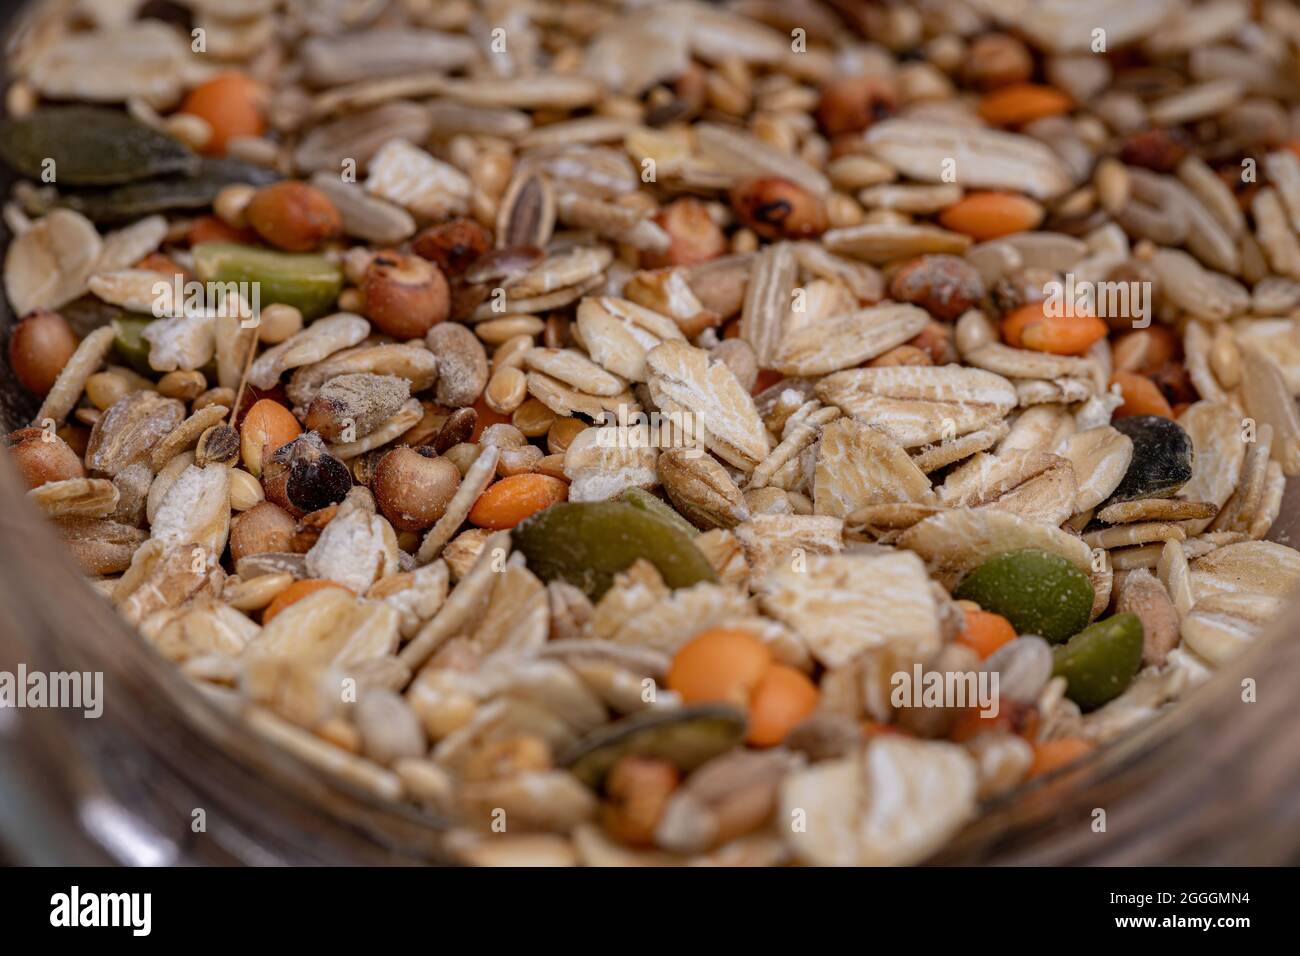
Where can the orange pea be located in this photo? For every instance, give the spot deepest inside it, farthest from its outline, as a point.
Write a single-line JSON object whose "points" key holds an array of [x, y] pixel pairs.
{"points": [[972, 722], [296, 592], [231, 103], [783, 697], [513, 499], [720, 664], [985, 216], [1141, 396], [1064, 334], [985, 632], [1051, 755], [486, 417], [1022, 103], [1030, 327]]}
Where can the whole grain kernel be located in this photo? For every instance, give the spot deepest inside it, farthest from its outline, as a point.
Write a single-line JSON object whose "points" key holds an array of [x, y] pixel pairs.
{"points": [[104, 389], [499, 331], [245, 490], [533, 419], [279, 323], [506, 390], [562, 433], [182, 384]]}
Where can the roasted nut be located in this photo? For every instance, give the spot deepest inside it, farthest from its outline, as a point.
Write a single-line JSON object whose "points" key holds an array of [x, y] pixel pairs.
{"points": [[855, 103], [307, 532], [302, 476], [997, 59], [638, 789], [776, 208], [218, 445], [901, 355], [1159, 149], [262, 528], [945, 286], [453, 246], [267, 426], [43, 456], [405, 296], [694, 235], [462, 364], [41, 344], [349, 407], [293, 216], [412, 488]]}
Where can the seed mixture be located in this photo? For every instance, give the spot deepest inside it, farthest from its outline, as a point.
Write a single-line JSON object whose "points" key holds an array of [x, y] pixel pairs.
{"points": [[574, 418]]}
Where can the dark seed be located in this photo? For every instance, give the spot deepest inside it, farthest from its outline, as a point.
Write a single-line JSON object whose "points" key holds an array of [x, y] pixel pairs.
{"points": [[196, 191], [1162, 458], [688, 737], [91, 146], [303, 477]]}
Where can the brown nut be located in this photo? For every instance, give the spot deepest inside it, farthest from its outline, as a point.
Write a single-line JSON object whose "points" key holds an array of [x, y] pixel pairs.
{"points": [[41, 344], [945, 286], [302, 476], [43, 456], [938, 341], [413, 488], [262, 528], [462, 364], [854, 103], [776, 208], [638, 789], [293, 216], [901, 355], [997, 59], [453, 246], [1159, 149], [307, 532], [694, 236], [352, 406], [405, 295]]}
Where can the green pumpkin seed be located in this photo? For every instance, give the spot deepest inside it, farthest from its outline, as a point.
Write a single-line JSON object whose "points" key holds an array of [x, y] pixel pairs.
{"points": [[646, 501], [135, 200], [308, 282], [91, 146], [129, 342], [1100, 661], [586, 543], [689, 738], [1038, 592]]}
